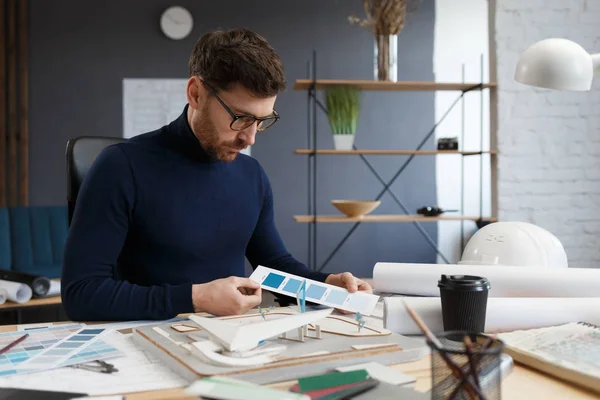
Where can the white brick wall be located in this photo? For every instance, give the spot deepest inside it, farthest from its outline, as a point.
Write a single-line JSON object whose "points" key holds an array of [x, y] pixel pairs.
{"points": [[549, 142]]}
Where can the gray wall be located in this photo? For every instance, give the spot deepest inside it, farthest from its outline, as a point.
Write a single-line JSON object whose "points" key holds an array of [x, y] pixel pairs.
{"points": [[81, 51]]}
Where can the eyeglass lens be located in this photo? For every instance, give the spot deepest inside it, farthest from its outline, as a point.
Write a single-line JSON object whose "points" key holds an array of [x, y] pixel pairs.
{"points": [[244, 122]]}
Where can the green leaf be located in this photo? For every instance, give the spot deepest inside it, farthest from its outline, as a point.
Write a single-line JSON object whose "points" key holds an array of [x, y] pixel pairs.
{"points": [[343, 108]]}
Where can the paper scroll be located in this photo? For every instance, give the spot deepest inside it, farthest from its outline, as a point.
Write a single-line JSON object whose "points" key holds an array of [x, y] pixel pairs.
{"points": [[503, 314], [16, 292], [506, 281]]}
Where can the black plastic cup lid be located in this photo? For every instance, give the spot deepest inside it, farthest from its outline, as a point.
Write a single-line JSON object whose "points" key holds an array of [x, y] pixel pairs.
{"points": [[464, 282]]}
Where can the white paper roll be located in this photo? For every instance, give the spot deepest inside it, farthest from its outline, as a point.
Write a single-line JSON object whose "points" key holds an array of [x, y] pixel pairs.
{"points": [[2, 296], [505, 281], [15, 291], [502, 314]]}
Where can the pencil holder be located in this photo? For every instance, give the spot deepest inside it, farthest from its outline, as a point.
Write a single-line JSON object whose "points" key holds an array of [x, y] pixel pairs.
{"points": [[467, 366]]}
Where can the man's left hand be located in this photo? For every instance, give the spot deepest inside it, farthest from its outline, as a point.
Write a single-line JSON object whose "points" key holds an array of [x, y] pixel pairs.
{"points": [[349, 282]]}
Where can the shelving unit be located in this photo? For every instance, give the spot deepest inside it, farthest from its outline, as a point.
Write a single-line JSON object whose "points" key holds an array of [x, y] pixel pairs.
{"points": [[391, 152], [319, 84], [312, 86], [389, 218]]}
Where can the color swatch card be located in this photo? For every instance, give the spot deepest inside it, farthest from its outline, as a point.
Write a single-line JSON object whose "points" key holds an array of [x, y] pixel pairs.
{"points": [[54, 347], [316, 292]]}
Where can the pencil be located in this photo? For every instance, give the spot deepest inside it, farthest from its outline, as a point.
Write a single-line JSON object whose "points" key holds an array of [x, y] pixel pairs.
{"points": [[14, 343]]}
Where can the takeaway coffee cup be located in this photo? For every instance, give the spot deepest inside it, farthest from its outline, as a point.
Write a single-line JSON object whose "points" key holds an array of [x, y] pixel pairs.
{"points": [[464, 302]]}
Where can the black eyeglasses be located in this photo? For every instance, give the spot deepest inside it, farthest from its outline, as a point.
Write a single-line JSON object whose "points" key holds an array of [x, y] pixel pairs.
{"points": [[241, 121]]}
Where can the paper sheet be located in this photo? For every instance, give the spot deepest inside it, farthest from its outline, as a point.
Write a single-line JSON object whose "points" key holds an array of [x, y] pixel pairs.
{"points": [[81, 345], [138, 371], [48, 348], [574, 346], [316, 292], [131, 324], [29, 327], [16, 292], [149, 104], [382, 373], [225, 388], [503, 314], [505, 281]]}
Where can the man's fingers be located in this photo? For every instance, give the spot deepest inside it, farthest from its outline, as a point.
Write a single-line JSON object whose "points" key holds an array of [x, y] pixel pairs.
{"points": [[248, 291], [350, 282], [246, 282], [252, 301], [364, 286]]}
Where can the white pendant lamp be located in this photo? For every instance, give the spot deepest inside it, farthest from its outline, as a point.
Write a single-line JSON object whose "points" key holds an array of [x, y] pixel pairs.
{"points": [[559, 64]]}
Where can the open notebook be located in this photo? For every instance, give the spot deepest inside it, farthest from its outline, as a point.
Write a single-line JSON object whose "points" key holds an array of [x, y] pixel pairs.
{"points": [[570, 352]]}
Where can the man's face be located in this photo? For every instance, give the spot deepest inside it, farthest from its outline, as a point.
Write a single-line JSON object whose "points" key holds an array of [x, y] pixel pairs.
{"points": [[211, 123]]}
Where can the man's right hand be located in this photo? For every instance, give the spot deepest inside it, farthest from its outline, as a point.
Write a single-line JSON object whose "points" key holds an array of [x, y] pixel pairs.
{"points": [[227, 296]]}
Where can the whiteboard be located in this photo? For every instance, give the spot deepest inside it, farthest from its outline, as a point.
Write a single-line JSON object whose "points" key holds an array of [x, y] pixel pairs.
{"points": [[149, 104]]}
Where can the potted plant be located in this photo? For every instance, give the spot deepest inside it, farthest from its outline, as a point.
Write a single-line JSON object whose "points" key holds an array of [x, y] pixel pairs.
{"points": [[343, 109]]}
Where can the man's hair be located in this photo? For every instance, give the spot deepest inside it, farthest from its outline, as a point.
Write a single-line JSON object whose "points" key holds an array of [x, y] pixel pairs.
{"points": [[223, 58]]}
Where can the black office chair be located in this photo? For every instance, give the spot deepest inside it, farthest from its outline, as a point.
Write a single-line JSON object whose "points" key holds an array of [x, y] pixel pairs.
{"points": [[81, 153]]}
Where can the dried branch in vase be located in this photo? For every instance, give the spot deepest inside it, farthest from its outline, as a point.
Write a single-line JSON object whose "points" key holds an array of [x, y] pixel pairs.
{"points": [[385, 19]]}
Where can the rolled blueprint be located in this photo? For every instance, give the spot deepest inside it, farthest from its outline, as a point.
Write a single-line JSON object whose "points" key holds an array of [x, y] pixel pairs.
{"points": [[503, 314], [15, 291], [505, 281]]}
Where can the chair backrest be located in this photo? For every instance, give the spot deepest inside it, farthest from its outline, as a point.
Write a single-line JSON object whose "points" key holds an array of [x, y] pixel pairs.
{"points": [[38, 236], [81, 153]]}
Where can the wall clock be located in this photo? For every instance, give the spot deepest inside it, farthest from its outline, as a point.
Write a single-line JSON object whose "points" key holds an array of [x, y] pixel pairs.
{"points": [[176, 22]]}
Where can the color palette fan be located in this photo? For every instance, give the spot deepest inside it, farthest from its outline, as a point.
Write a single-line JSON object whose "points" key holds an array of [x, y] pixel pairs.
{"points": [[54, 347], [316, 292]]}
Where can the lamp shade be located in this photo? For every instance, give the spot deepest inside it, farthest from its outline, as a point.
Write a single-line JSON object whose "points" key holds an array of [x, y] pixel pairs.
{"points": [[556, 64]]}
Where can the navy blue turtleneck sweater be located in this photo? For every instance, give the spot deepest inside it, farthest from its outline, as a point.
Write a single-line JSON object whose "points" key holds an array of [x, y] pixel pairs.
{"points": [[155, 215]]}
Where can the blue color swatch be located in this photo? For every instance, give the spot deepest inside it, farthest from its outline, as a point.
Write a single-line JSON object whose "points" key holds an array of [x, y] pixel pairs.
{"points": [[91, 331], [69, 345], [336, 297], [97, 350], [292, 286], [315, 291], [273, 280], [36, 350], [81, 338]]}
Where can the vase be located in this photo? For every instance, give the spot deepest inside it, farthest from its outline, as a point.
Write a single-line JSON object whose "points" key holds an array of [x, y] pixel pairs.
{"points": [[386, 58], [343, 141]]}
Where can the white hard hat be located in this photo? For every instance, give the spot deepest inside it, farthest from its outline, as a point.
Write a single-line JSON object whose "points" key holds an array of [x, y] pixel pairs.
{"points": [[514, 243]]}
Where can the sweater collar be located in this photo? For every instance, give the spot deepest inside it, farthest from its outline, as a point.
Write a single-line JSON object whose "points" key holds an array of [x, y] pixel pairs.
{"points": [[185, 140]]}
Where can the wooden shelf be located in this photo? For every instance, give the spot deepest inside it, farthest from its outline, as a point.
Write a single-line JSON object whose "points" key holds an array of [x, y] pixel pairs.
{"points": [[34, 302], [304, 84], [391, 152], [389, 218]]}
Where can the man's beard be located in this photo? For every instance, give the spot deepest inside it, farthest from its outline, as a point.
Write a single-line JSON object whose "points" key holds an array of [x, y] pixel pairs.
{"points": [[208, 136]]}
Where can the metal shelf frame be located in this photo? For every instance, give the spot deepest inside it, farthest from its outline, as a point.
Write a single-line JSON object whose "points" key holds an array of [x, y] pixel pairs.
{"points": [[314, 104]]}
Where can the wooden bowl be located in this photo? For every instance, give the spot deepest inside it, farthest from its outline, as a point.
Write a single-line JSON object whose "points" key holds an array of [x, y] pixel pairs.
{"points": [[355, 208]]}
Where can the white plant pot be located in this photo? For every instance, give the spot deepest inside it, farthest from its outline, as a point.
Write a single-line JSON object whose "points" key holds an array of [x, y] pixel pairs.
{"points": [[343, 142]]}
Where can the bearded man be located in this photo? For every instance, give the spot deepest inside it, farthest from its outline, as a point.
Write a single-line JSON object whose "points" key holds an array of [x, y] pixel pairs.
{"points": [[164, 221]]}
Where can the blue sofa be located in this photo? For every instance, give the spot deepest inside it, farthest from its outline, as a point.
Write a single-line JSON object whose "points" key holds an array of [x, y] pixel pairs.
{"points": [[32, 239]]}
